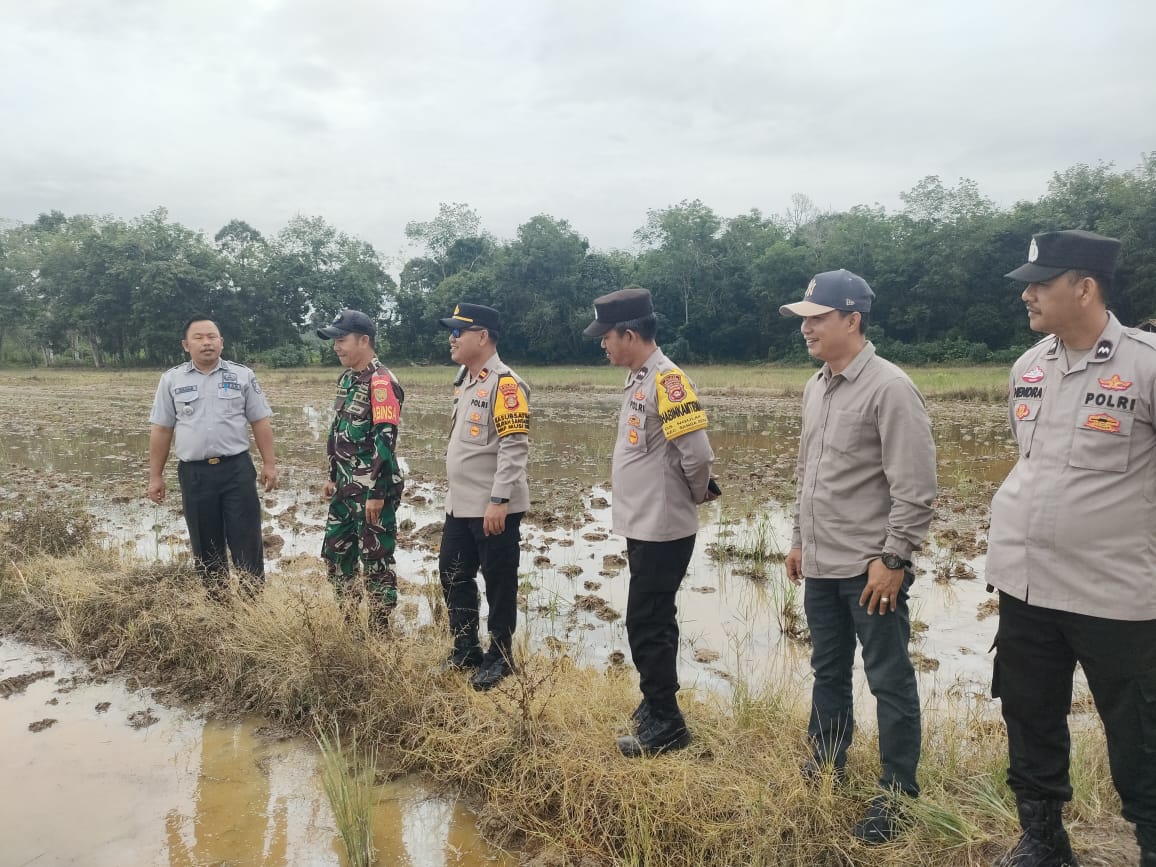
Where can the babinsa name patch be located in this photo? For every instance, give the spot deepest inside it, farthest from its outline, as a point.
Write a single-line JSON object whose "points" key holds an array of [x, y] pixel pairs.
{"points": [[678, 406], [511, 409]]}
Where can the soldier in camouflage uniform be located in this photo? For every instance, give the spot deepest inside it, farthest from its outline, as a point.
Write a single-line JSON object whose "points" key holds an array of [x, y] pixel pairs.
{"points": [[365, 482]]}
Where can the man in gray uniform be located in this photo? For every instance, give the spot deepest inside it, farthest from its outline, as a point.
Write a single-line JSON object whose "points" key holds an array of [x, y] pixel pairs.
{"points": [[661, 471], [865, 485], [209, 404], [1072, 545], [488, 493]]}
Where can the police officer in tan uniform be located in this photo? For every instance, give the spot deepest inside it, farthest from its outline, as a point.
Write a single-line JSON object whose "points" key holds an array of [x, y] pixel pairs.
{"points": [[488, 493], [661, 471], [1072, 544]]}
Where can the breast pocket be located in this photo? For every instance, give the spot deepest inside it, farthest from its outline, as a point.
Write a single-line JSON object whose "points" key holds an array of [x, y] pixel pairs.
{"points": [[1026, 412], [844, 430], [231, 400], [632, 431], [187, 405], [477, 429], [1102, 441]]}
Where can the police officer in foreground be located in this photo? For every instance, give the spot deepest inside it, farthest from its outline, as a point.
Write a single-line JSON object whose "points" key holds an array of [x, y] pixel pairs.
{"points": [[365, 482], [488, 493], [208, 404], [1072, 545], [865, 486], [661, 471]]}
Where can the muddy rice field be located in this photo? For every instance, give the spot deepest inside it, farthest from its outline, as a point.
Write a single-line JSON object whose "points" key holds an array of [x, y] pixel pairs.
{"points": [[131, 780]]}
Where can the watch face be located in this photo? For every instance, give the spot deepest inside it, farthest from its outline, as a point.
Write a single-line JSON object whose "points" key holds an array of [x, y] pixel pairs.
{"points": [[892, 561]]}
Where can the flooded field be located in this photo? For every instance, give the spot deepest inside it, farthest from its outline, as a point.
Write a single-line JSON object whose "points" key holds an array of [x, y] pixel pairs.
{"points": [[182, 786]]}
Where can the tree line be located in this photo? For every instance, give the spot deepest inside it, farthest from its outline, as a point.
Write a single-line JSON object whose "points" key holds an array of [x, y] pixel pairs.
{"points": [[102, 291]]}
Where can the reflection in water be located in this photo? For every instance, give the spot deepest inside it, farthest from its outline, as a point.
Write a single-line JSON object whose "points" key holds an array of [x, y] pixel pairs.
{"points": [[94, 791]]}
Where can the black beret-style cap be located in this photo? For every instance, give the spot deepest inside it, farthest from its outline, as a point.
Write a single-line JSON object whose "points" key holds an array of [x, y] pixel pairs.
{"points": [[1052, 253], [348, 322], [625, 305], [473, 316]]}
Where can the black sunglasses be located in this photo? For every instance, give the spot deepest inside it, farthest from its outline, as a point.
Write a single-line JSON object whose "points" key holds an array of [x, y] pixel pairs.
{"points": [[457, 332]]}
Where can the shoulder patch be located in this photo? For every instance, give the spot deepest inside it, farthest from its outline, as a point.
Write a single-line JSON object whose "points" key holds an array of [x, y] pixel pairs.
{"points": [[386, 408], [511, 408], [678, 406]]}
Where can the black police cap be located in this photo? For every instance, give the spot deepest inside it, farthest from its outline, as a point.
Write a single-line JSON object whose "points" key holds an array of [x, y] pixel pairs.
{"points": [[348, 322], [625, 305], [1052, 253], [473, 316]]}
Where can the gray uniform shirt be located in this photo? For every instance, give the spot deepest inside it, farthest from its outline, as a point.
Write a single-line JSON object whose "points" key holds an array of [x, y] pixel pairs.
{"points": [[479, 463], [210, 412], [657, 482], [1073, 527], [866, 469]]}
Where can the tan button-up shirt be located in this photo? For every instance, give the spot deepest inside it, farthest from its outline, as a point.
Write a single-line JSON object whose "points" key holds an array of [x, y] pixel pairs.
{"points": [[1073, 527], [866, 470], [657, 482], [479, 463]]}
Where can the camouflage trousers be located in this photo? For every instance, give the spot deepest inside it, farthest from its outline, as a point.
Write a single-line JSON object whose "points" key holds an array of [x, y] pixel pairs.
{"points": [[350, 538]]}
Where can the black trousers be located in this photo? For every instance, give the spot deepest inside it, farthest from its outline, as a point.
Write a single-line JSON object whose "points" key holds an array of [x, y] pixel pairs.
{"points": [[656, 572], [1036, 654], [465, 549], [223, 514]]}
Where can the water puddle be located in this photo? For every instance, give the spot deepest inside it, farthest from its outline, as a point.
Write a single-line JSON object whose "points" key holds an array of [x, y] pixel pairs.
{"points": [[108, 776]]}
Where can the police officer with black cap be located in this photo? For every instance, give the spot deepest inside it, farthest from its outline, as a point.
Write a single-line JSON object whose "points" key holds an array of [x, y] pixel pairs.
{"points": [[488, 493], [1072, 544], [661, 472], [365, 482]]}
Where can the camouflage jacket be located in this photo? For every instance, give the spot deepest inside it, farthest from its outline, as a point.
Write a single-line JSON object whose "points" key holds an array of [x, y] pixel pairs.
{"points": [[363, 435]]}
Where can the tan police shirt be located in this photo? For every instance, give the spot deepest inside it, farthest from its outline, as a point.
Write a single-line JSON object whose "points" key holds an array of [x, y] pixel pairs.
{"points": [[489, 442], [866, 468], [1073, 527], [210, 412], [662, 457]]}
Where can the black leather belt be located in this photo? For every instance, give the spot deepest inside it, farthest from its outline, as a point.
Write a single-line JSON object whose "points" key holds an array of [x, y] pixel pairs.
{"points": [[215, 461]]}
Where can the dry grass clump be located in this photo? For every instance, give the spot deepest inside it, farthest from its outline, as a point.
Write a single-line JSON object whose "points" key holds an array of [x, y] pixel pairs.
{"points": [[537, 752], [57, 530]]}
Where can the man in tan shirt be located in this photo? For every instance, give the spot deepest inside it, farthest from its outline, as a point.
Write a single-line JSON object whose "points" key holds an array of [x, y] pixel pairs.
{"points": [[661, 471], [488, 493], [866, 481], [1072, 545]]}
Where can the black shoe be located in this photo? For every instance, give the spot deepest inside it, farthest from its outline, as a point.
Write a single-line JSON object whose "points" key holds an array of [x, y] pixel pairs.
{"points": [[881, 823], [462, 658], [1044, 842], [641, 714], [814, 770], [656, 735], [494, 669]]}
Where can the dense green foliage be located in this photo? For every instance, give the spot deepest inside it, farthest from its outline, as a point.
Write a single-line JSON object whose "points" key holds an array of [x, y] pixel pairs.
{"points": [[100, 290]]}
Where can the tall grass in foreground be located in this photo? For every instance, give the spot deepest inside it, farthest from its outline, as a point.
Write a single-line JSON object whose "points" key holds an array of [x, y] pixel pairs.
{"points": [[347, 776], [537, 754]]}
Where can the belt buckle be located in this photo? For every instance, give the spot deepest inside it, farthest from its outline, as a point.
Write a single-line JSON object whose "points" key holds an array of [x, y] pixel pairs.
{"points": [[213, 461]]}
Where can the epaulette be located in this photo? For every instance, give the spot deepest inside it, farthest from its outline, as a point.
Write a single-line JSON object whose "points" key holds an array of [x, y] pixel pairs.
{"points": [[1145, 337]]}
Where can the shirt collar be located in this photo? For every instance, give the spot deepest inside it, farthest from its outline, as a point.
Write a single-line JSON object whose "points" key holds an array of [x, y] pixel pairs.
{"points": [[366, 373], [636, 376], [491, 364], [851, 371], [1102, 350]]}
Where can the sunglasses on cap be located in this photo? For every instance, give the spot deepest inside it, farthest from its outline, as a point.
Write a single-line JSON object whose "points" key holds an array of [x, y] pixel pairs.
{"points": [[458, 332]]}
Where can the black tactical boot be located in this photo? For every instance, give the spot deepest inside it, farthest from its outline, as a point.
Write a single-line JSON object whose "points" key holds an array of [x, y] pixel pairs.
{"points": [[1044, 842], [881, 823], [658, 732], [641, 714], [467, 653], [496, 665]]}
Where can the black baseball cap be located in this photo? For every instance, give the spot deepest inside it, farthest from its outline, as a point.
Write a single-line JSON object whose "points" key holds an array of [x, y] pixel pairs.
{"points": [[348, 322], [1052, 253], [832, 290], [625, 305], [473, 316]]}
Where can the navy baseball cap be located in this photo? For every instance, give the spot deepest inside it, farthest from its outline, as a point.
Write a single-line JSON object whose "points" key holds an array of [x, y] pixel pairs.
{"points": [[348, 322], [832, 290], [473, 316], [1052, 253], [625, 305]]}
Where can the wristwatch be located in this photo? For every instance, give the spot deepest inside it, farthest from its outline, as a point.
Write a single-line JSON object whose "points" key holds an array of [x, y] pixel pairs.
{"points": [[894, 561], [499, 501]]}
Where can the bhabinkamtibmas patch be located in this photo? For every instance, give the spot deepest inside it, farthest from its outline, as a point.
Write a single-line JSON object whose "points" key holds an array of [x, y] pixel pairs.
{"points": [[511, 409], [678, 406], [386, 409]]}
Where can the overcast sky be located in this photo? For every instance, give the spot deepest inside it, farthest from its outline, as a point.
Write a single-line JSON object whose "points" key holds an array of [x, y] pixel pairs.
{"points": [[369, 112]]}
